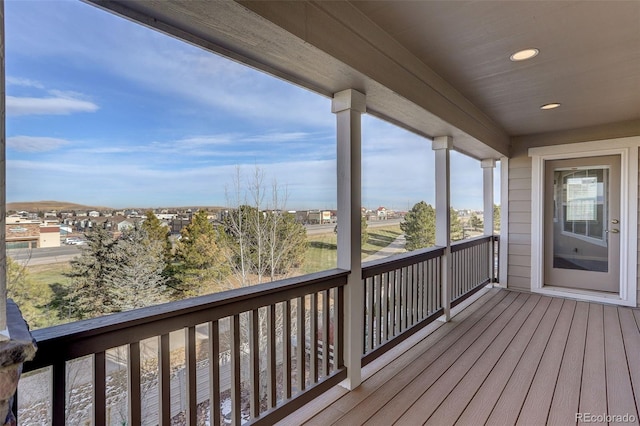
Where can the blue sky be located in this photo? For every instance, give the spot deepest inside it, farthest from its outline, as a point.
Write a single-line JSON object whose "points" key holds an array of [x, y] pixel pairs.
{"points": [[101, 111]]}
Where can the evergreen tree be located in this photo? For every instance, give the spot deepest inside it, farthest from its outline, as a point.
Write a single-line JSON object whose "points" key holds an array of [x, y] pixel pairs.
{"points": [[496, 218], [138, 279], [200, 263], [156, 231], [455, 225], [419, 226], [475, 222], [364, 232], [91, 291], [114, 275]]}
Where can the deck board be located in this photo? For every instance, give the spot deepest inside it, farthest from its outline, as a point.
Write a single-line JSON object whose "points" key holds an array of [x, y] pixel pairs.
{"points": [[512, 397], [515, 358], [497, 359], [390, 410], [536, 407], [566, 396], [472, 367], [593, 395], [619, 391]]}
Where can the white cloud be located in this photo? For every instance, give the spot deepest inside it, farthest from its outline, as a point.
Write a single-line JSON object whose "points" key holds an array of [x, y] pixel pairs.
{"points": [[48, 106], [23, 82], [35, 143], [278, 137], [200, 141]]}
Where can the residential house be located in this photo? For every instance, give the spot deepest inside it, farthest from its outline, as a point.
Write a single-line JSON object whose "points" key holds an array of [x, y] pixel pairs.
{"points": [[551, 91]]}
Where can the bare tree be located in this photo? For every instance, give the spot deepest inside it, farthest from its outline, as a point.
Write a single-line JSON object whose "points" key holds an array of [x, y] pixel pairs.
{"points": [[263, 240]]}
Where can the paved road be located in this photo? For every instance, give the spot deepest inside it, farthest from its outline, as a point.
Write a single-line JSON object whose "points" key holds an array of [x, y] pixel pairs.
{"points": [[42, 256]]}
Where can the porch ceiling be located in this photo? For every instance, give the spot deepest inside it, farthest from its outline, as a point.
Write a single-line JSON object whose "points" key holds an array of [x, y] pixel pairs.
{"points": [[434, 67]]}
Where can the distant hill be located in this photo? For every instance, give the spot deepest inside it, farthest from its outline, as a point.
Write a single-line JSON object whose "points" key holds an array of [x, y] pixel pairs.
{"points": [[34, 206]]}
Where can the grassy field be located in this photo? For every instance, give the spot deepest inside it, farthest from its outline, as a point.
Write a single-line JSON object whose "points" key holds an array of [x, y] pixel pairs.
{"points": [[52, 273], [322, 248]]}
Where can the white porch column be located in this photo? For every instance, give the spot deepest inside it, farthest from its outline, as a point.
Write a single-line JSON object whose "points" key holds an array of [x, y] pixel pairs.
{"points": [[4, 333], [504, 221], [348, 106], [487, 193], [442, 145]]}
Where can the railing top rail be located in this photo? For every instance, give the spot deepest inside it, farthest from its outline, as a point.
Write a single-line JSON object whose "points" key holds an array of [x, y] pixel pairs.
{"points": [[470, 242], [375, 267], [68, 341]]}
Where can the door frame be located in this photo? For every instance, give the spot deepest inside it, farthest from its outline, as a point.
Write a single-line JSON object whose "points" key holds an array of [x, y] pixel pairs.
{"points": [[627, 149]]}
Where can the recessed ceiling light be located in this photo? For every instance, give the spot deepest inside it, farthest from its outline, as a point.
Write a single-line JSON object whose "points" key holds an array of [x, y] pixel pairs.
{"points": [[523, 55], [552, 105]]}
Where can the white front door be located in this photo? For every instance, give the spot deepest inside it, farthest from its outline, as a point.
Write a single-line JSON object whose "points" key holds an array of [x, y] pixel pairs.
{"points": [[582, 223]]}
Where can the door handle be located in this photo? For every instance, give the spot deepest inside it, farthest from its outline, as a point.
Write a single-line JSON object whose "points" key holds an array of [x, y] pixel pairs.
{"points": [[613, 231], [615, 221]]}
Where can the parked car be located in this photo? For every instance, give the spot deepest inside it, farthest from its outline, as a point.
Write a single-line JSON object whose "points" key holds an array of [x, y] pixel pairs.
{"points": [[76, 241]]}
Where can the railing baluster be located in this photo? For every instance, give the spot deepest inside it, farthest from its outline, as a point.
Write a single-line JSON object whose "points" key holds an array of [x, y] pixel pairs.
{"points": [[472, 258], [429, 283], [133, 374], [414, 291], [325, 333], [301, 345], [459, 273], [254, 370], [313, 334], [192, 402], [99, 388], [419, 283], [426, 285], [271, 356], [403, 299], [409, 299], [438, 283], [397, 302], [236, 400], [378, 310], [59, 393], [435, 284], [214, 372], [339, 327], [384, 323], [368, 323], [164, 381], [286, 347]]}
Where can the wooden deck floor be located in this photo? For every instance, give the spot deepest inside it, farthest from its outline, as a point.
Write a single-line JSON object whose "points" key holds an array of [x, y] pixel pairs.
{"points": [[511, 358]]}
